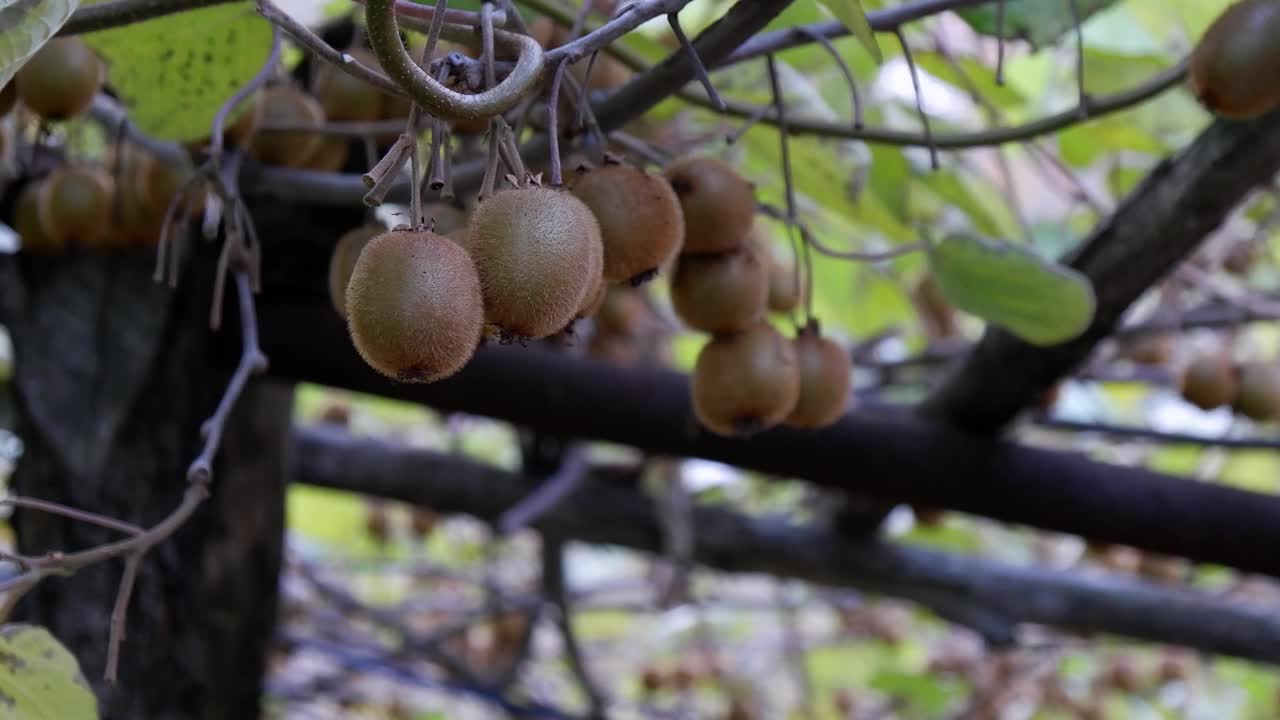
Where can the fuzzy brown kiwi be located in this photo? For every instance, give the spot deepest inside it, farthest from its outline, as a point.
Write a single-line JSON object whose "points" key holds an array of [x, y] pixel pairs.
{"points": [[345, 97], [27, 223], [719, 205], [8, 98], [60, 79], [1151, 349], [746, 382], [1235, 66], [640, 218], [786, 283], [936, 314], [721, 293], [826, 372], [330, 154], [1258, 392], [592, 301], [75, 205], [286, 104], [1209, 381], [242, 123], [414, 308], [343, 262], [534, 248], [616, 349], [622, 312], [1241, 256]]}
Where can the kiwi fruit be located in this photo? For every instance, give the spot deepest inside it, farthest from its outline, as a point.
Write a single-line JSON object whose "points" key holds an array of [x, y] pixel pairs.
{"points": [[535, 249], [592, 301], [936, 314], [287, 104], [8, 98], [826, 372], [1235, 66], [27, 223], [720, 293], [447, 219], [343, 261], [719, 205], [746, 382], [786, 287], [75, 205], [330, 154], [60, 80], [1151, 349], [345, 97], [1240, 257], [607, 72], [622, 312], [243, 122], [414, 307], [1258, 392], [640, 219], [1209, 381], [616, 349]]}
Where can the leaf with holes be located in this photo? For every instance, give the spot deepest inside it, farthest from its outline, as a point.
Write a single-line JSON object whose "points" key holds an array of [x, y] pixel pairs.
{"points": [[851, 15], [1039, 22], [1042, 302], [174, 72], [25, 26], [40, 679]]}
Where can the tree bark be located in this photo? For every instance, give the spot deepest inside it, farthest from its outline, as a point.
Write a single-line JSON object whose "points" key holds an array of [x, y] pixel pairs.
{"points": [[113, 378]]}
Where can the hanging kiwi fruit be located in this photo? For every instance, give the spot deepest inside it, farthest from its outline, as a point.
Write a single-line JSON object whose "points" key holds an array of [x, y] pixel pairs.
{"points": [[746, 382], [1209, 380], [285, 104], [720, 293], [343, 261], [1235, 66], [622, 312], [786, 286], [75, 205], [27, 223], [345, 97], [414, 306], [535, 249], [1257, 393], [826, 372], [719, 205], [641, 222], [936, 314], [60, 80]]}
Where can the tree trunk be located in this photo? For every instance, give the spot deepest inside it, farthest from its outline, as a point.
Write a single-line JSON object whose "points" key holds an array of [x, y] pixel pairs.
{"points": [[113, 376]]}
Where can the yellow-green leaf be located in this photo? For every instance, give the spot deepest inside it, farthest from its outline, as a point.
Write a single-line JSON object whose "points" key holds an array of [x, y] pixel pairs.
{"points": [[26, 25], [1039, 301], [174, 72], [40, 679], [851, 15]]}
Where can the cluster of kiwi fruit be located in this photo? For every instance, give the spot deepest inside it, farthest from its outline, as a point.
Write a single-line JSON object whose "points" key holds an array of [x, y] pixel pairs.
{"points": [[749, 377], [1252, 389], [1235, 65]]}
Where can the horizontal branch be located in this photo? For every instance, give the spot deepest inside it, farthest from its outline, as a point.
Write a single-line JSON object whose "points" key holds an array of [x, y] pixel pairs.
{"points": [[1162, 221], [604, 512], [871, 452], [102, 16]]}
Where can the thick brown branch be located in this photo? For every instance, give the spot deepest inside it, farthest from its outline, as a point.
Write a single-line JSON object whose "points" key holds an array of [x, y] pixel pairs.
{"points": [[606, 513]]}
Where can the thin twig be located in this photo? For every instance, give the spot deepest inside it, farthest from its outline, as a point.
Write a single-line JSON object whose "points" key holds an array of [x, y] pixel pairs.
{"points": [[1083, 108], [558, 486], [553, 589], [699, 69], [844, 70], [553, 124], [83, 516], [120, 615], [915, 84], [1000, 8]]}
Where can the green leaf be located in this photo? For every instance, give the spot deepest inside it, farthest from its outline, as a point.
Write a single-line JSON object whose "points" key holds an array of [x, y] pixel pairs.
{"points": [[1039, 301], [1039, 22], [174, 72], [851, 15], [25, 26], [40, 679]]}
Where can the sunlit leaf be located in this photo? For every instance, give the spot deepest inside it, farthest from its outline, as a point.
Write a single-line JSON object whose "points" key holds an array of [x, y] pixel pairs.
{"points": [[40, 679], [1039, 22], [26, 25], [1039, 301], [851, 15], [174, 72]]}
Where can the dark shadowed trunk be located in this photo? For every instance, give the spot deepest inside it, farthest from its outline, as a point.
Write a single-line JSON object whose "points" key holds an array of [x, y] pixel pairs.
{"points": [[114, 375]]}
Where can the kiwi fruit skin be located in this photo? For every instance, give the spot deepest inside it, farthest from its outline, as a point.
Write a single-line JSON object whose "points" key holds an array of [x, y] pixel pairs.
{"points": [[27, 223], [414, 309], [535, 249], [622, 312], [1235, 66], [719, 205], [746, 382], [721, 293], [1151, 349], [75, 205], [592, 301], [936, 314], [1209, 381], [330, 154], [786, 288], [825, 377], [8, 98], [287, 104], [641, 222], [345, 97], [343, 262], [1258, 392], [59, 81]]}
